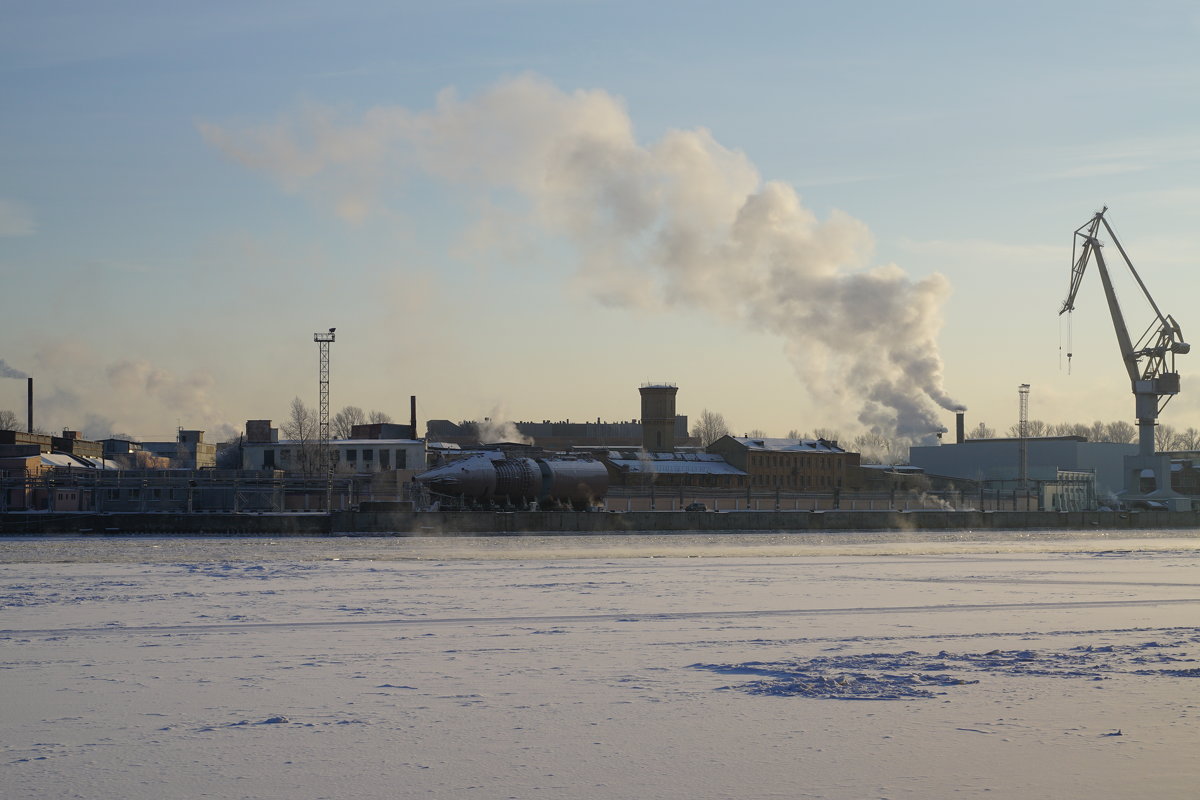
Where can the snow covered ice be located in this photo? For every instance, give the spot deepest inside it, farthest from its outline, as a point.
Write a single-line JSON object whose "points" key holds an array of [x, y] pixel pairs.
{"points": [[1022, 665]]}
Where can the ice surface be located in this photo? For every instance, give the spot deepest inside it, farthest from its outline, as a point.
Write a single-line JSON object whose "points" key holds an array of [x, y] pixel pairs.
{"points": [[1002, 665]]}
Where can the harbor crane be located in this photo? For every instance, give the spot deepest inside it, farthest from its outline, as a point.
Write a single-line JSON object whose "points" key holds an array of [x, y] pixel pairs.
{"points": [[1149, 361]]}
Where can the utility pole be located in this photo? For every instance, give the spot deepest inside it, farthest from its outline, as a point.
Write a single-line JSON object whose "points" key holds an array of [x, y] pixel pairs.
{"points": [[323, 340], [1023, 433]]}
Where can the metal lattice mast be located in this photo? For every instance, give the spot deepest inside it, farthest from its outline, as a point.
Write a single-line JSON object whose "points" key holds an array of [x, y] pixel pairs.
{"points": [[323, 340], [1023, 432]]}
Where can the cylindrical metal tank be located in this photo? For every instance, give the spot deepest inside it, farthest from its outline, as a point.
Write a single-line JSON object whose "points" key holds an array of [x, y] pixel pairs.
{"points": [[574, 482], [469, 477], [517, 479], [521, 480]]}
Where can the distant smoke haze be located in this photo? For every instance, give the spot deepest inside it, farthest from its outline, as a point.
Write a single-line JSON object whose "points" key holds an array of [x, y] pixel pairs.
{"points": [[79, 392], [9, 372], [683, 221]]}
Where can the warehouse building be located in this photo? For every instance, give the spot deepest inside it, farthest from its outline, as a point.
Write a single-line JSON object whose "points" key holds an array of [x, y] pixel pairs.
{"points": [[790, 464]]}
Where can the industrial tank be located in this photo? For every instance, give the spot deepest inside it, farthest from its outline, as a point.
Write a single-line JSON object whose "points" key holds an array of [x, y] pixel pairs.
{"points": [[575, 482], [487, 478]]}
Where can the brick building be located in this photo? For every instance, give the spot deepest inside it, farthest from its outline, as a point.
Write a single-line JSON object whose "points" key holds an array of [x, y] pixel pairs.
{"points": [[795, 465]]}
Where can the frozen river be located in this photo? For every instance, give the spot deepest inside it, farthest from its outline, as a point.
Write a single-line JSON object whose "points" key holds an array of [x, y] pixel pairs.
{"points": [[1001, 665]]}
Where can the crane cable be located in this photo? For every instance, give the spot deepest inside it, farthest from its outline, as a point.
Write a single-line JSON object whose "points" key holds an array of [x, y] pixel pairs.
{"points": [[1070, 342]]}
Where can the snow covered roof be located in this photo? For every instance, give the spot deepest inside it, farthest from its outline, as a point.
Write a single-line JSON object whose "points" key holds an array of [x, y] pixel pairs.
{"points": [[77, 462], [676, 464], [787, 445], [337, 442]]}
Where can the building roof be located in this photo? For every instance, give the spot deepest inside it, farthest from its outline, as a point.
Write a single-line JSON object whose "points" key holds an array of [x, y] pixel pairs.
{"points": [[675, 464], [77, 462], [788, 445], [336, 442]]}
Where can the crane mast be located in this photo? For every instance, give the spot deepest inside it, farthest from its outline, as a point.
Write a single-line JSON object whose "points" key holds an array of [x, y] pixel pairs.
{"points": [[1150, 360]]}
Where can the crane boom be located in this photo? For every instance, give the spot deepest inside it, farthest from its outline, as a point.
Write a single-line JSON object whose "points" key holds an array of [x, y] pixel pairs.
{"points": [[1150, 361]]}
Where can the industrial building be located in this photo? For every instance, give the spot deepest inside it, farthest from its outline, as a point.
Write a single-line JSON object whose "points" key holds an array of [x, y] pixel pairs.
{"points": [[21, 443], [188, 451], [1048, 459], [264, 450], [639, 468], [795, 465], [561, 436]]}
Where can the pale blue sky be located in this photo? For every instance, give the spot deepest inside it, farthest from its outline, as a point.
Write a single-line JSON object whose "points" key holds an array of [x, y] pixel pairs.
{"points": [[153, 280]]}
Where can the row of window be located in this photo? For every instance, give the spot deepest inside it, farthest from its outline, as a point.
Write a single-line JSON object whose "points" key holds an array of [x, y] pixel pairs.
{"points": [[823, 463], [349, 455], [797, 481]]}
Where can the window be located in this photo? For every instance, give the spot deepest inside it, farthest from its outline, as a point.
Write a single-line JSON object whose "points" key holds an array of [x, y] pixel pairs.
{"points": [[351, 456], [385, 459], [368, 455], [268, 458], [401, 459]]}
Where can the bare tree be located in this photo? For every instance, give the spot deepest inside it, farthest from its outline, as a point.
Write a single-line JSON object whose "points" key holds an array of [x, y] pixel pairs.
{"points": [[345, 420], [795, 434], [1036, 428], [757, 433], [1189, 440], [8, 421], [1121, 431], [709, 427], [301, 428], [877, 448], [1165, 438], [828, 434], [229, 454], [981, 431], [377, 417]]}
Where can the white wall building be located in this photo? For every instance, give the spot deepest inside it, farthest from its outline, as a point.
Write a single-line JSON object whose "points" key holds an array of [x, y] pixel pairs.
{"points": [[359, 456]]}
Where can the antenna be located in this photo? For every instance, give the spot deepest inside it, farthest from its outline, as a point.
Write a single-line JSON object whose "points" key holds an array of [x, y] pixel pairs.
{"points": [[323, 340], [1023, 432]]}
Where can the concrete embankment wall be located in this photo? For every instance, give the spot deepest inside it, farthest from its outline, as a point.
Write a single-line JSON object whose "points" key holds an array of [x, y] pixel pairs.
{"points": [[555, 522]]}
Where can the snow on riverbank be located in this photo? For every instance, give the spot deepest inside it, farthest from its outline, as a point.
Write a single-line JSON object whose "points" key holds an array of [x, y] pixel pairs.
{"points": [[601, 667]]}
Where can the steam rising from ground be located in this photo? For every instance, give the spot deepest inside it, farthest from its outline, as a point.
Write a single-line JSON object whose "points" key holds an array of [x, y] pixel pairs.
{"points": [[681, 221]]}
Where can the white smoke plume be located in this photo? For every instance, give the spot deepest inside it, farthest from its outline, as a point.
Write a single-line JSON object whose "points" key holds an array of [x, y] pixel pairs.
{"points": [[681, 221], [10, 372], [496, 431]]}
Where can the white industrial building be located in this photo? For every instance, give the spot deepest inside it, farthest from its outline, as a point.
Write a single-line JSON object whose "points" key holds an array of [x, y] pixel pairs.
{"points": [[360, 456]]}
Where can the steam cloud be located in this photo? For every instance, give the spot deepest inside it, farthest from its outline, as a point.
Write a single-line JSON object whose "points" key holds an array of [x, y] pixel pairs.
{"points": [[682, 221], [494, 431], [9, 372]]}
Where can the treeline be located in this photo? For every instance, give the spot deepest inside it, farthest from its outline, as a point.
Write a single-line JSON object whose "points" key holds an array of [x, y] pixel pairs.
{"points": [[1166, 437]]}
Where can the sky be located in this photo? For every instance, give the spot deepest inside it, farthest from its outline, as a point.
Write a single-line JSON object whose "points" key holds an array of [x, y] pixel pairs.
{"points": [[805, 215]]}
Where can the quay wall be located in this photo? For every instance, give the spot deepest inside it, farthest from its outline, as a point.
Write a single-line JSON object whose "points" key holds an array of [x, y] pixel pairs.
{"points": [[480, 523]]}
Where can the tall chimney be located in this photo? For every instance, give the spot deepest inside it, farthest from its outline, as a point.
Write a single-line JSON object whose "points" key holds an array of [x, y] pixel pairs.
{"points": [[960, 426], [412, 402], [30, 418]]}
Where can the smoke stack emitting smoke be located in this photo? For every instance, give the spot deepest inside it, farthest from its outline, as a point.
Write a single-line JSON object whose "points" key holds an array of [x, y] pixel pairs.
{"points": [[8, 372], [687, 215]]}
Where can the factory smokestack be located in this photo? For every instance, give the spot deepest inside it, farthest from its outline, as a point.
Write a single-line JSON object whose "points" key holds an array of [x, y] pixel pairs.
{"points": [[412, 407], [960, 426], [30, 410]]}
